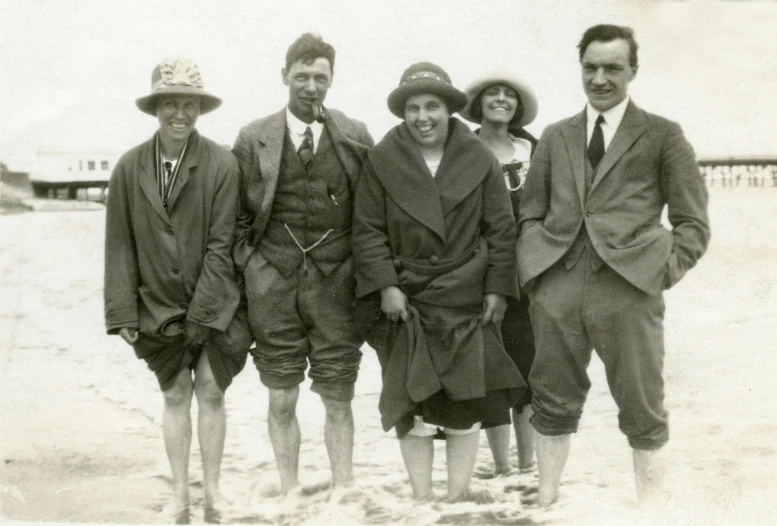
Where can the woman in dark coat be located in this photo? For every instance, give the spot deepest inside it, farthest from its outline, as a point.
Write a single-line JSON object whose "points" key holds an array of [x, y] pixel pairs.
{"points": [[503, 103], [434, 251]]}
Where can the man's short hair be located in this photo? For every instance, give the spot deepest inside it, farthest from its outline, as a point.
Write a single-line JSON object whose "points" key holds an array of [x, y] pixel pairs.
{"points": [[608, 33], [307, 48]]}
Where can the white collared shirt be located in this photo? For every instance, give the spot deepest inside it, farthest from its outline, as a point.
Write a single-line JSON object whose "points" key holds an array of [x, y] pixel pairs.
{"points": [[612, 119], [297, 130]]}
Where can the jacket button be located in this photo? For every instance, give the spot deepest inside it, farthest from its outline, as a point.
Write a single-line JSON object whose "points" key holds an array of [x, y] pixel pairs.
{"points": [[170, 232], [433, 259], [396, 263], [176, 270]]}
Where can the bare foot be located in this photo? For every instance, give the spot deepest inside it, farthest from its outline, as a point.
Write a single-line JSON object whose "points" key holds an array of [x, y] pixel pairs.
{"points": [[217, 507], [479, 496], [345, 494], [175, 512]]}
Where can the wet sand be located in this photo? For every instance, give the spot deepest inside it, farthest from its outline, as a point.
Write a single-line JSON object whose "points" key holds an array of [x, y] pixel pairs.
{"points": [[80, 417]]}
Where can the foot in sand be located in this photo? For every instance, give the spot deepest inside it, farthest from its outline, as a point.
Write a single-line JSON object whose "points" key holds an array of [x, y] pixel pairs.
{"points": [[488, 474], [346, 494], [175, 513], [218, 507]]}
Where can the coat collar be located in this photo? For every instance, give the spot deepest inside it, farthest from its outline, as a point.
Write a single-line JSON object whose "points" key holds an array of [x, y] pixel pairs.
{"points": [[148, 176], [398, 163]]}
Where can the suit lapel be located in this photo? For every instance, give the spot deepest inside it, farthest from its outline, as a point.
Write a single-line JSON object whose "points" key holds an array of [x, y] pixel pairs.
{"points": [[147, 181], [270, 151], [574, 139], [631, 127], [343, 150]]}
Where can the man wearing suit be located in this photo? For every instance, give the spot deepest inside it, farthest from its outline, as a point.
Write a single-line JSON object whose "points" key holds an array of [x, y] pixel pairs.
{"points": [[596, 259], [298, 171]]}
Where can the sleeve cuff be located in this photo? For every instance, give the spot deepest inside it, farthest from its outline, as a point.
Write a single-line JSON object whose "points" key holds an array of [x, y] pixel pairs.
{"points": [[375, 278], [214, 317], [119, 317]]}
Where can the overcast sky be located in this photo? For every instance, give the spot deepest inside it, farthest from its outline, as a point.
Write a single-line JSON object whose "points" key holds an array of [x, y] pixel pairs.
{"points": [[71, 71]]}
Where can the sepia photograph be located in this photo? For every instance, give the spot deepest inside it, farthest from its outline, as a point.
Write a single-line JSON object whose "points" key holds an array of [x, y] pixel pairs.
{"points": [[388, 262]]}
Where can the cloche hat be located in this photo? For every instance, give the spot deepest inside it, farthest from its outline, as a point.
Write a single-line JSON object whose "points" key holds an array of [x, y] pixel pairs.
{"points": [[177, 76], [425, 77], [499, 76]]}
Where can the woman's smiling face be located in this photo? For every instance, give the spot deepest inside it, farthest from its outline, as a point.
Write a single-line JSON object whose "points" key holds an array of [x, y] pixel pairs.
{"points": [[426, 116]]}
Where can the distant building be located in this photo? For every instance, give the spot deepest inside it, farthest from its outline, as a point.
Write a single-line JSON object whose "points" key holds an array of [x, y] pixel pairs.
{"points": [[60, 171], [751, 171]]}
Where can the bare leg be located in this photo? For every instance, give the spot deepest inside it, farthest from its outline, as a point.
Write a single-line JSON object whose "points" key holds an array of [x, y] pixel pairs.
{"points": [[285, 435], [177, 431], [418, 454], [499, 442], [460, 453], [649, 471], [552, 454], [524, 435], [211, 428], [338, 435]]}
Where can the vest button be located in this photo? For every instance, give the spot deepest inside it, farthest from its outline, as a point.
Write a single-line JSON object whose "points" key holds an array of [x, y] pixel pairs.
{"points": [[396, 263], [433, 259], [170, 232], [176, 270]]}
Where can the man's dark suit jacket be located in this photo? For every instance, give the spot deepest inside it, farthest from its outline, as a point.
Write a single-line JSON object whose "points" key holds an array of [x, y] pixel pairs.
{"points": [[647, 165]]}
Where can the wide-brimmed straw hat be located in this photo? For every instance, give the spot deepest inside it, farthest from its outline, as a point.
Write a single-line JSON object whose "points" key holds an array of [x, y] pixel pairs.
{"points": [[425, 77], [499, 76], [177, 76]]}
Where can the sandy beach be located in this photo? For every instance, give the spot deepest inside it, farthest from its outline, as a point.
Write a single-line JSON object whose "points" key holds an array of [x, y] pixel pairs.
{"points": [[80, 416]]}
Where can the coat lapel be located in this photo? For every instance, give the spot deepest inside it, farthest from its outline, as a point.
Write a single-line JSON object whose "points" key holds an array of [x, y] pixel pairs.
{"points": [[147, 181], [188, 166], [402, 171], [631, 127], [574, 139], [464, 165]]}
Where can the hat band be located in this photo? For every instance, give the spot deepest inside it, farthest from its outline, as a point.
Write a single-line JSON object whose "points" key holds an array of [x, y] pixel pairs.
{"points": [[423, 75], [162, 83]]}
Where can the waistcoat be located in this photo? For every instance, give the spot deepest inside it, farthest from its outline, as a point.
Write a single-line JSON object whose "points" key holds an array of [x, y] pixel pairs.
{"points": [[309, 203]]}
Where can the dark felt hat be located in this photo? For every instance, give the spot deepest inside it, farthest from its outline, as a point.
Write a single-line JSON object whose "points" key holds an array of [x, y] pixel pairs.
{"points": [[177, 76], [425, 77]]}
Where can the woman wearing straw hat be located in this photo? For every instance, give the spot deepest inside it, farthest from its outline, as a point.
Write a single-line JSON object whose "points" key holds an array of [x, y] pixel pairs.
{"points": [[434, 250], [503, 103], [170, 288]]}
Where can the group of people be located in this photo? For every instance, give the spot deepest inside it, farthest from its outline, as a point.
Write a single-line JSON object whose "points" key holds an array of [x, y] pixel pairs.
{"points": [[483, 267]]}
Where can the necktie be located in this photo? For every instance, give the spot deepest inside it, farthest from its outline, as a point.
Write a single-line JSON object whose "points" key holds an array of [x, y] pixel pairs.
{"points": [[168, 172], [165, 186], [596, 146], [305, 151]]}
